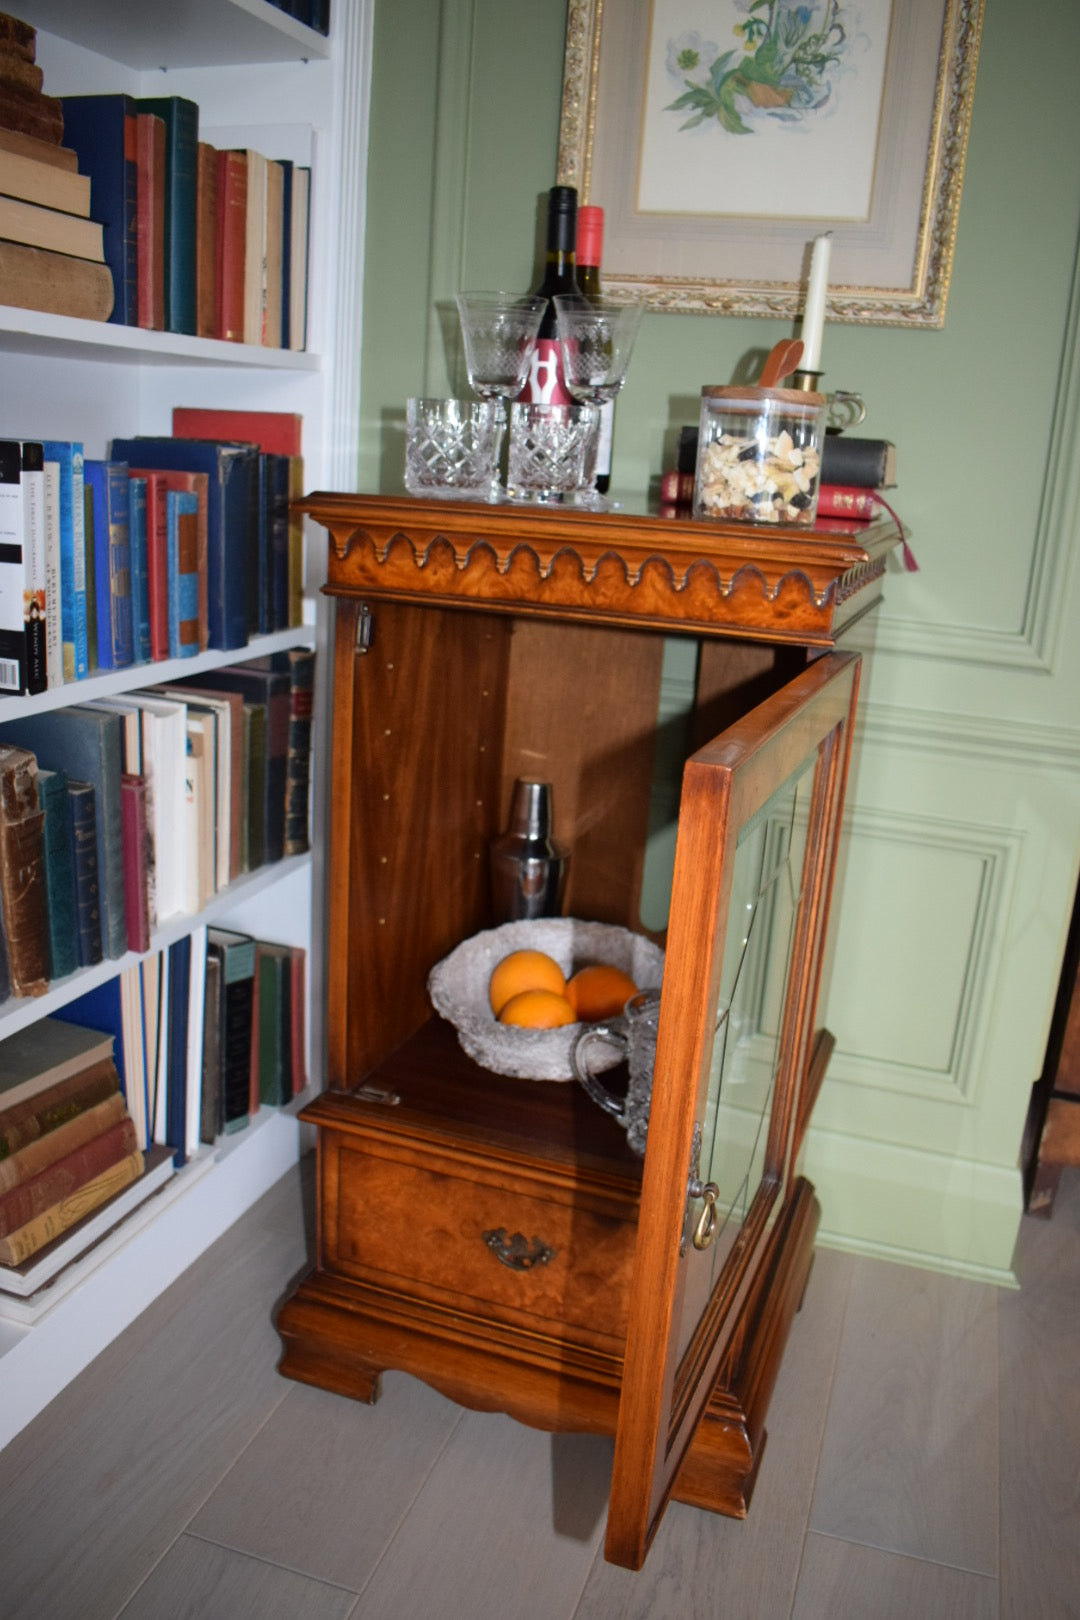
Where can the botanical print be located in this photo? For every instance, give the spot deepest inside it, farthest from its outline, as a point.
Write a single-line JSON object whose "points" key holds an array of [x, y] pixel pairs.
{"points": [[762, 107]]}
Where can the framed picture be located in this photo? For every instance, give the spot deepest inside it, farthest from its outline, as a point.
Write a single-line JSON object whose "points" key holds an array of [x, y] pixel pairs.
{"points": [[722, 136]]}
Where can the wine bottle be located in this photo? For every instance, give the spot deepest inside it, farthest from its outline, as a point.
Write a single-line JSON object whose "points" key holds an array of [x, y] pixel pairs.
{"points": [[590, 245], [546, 384]]}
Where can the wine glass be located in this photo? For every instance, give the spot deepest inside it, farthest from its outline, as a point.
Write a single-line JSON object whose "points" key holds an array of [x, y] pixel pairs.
{"points": [[499, 330], [596, 337]]}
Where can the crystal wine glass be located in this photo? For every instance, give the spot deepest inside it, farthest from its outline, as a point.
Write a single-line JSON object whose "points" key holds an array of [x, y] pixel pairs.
{"points": [[596, 337], [499, 330]]}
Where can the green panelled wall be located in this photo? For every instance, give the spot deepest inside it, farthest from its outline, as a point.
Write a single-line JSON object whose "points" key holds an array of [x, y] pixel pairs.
{"points": [[963, 841]]}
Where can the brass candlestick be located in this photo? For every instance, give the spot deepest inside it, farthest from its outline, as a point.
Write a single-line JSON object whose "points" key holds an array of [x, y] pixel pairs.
{"points": [[807, 381]]}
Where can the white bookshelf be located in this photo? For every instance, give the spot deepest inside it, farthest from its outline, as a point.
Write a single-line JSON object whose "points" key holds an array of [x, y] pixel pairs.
{"points": [[249, 67]]}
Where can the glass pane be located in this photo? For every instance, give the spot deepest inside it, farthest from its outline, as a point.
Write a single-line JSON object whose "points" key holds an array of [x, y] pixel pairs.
{"points": [[765, 894]]}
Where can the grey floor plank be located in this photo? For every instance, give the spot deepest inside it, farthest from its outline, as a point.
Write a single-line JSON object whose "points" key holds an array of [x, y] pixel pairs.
{"points": [[852, 1582], [505, 1528], [352, 1471], [198, 1581], [101, 1483], [909, 1460], [1040, 1418], [702, 1565]]}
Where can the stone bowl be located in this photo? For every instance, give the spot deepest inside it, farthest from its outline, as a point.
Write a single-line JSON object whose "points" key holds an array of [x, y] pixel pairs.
{"points": [[458, 986]]}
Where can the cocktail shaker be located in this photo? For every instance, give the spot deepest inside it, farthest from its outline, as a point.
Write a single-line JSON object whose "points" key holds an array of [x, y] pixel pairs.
{"points": [[528, 868]]}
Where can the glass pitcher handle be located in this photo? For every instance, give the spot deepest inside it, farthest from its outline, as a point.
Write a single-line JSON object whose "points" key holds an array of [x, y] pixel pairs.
{"points": [[615, 1106]]}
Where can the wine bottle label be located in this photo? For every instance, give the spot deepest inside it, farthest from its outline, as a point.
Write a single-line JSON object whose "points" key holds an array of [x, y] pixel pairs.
{"points": [[607, 434], [546, 385]]}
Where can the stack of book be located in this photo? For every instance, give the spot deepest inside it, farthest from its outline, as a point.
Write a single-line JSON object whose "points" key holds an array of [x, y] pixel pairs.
{"points": [[52, 255], [853, 469], [205, 242], [67, 1141], [213, 771], [166, 547]]}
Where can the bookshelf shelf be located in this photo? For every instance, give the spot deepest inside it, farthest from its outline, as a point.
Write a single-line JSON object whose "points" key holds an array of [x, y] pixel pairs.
{"points": [[27, 331], [180, 33]]}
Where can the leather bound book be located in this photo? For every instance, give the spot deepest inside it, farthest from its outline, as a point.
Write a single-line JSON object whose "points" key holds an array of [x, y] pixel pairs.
{"points": [[59, 873], [54, 1145], [111, 562], [27, 1240], [212, 1109], [299, 664], [55, 283], [236, 953], [231, 244], [59, 1102], [31, 112], [206, 229], [181, 118], [182, 508], [269, 687], [136, 855], [103, 131], [298, 1025], [150, 224], [275, 433], [23, 899], [84, 870], [21, 1203]]}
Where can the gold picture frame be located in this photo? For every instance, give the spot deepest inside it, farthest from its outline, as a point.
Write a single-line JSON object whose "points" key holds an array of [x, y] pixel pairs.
{"points": [[890, 267]]}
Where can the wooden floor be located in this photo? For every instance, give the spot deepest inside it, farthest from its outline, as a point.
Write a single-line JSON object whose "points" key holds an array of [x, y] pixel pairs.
{"points": [[924, 1463]]}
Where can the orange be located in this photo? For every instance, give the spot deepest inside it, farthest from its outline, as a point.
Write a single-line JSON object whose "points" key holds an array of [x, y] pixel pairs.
{"points": [[524, 970], [599, 991], [537, 1009]]}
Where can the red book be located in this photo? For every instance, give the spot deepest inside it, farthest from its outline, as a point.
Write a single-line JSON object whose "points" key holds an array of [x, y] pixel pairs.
{"points": [[199, 484], [21, 1204], [277, 433], [150, 221], [846, 501], [677, 488], [232, 189], [136, 879], [206, 244]]}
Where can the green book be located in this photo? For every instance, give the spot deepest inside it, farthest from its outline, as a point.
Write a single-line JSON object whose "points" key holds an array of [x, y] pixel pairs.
{"points": [[181, 118], [59, 873], [255, 768], [274, 1031]]}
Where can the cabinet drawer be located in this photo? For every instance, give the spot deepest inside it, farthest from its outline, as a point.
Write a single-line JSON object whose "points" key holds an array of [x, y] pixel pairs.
{"points": [[461, 1230]]}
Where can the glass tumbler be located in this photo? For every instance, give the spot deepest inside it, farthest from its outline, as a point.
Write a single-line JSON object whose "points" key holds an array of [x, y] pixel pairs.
{"points": [[548, 446], [450, 448]]}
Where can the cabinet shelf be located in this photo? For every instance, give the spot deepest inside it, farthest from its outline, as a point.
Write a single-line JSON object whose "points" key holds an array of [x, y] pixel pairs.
{"points": [[180, 33], [28, 331]]}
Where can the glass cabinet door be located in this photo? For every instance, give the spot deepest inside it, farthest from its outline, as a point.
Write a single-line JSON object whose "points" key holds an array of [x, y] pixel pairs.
{"points": [[758, 827]]}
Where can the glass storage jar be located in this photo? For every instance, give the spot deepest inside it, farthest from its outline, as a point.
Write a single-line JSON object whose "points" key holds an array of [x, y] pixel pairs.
{"points": [[759, 454]]}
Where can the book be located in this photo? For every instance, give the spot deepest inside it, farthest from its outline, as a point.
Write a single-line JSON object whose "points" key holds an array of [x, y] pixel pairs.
{"points": [[296, 544], [846, 458], [29, 146], [253, 831], [153, 982], [287, 169], [91, 577], [108, 484], [272, 1032], [200, 788], [84, 866], [16, 68], [231, 471], [197, 484], [195, 1019], [299, 664], [847, 500], [39, 227], [36, 1061], [275, 247], [206, 249], [23, 902], [135, 1051], [61, 1100], [179, 999], [68, 456], [53, 800], [255, 248], [266, 686], [157, 557], [17, 37], [54, 638], [102, 131], [55, 283], [31, 112], [277, 534], [212, 1102], [230, 276], [181, 119], [140, 578], [163, 734], [35, 578], [236, 955], [101, 1009], [300, 224], [53, 1145], [182, 516], [28, 1289], [39, 181], [13, 572], [84, 741], [150, 220], [28, 1239], [298, 1021], [276, 433], [231, 784], [136, 861], [21, 1204]]}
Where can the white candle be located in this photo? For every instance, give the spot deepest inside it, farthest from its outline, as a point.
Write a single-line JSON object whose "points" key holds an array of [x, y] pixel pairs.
{"points": [[813, 321]]}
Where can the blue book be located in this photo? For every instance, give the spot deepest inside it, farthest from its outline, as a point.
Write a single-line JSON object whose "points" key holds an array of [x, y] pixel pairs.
{"points": [[140, 577], [107, 482], [177, 1078], [86, 743], [182, 520], [101, 1008], [73, 626], [101, 129], [52, 788], [231, 521], [181, 119]]}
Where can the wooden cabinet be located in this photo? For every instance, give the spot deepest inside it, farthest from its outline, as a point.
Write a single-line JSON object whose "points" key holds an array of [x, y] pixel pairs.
{"points": [[496, 1237]]}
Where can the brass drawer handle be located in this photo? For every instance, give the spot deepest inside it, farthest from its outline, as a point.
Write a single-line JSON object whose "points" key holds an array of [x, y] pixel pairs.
{"points": [[517, 1252], [708, 1220]]}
